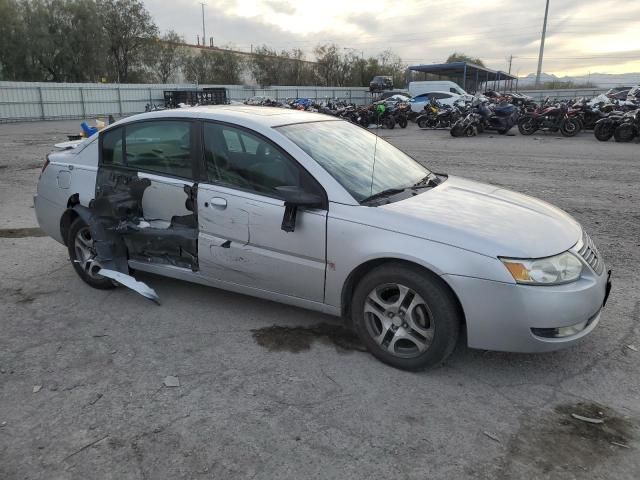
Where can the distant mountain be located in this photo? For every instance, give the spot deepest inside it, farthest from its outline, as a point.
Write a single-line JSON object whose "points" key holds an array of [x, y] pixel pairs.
{"points": [[599, 80]]}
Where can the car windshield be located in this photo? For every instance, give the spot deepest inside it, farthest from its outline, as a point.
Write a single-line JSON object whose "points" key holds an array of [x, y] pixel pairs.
{"points": [[347, 152]]}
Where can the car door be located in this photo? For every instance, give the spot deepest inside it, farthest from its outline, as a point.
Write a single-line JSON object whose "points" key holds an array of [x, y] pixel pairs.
{"points": [[145, 186], [240, 214]]}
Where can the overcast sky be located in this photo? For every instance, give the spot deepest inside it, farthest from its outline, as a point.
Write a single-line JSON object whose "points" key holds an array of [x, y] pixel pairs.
{"points": [[582, 35]]}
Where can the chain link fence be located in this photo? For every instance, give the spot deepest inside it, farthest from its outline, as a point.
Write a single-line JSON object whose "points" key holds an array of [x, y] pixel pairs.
{"points": [[32, 101]]}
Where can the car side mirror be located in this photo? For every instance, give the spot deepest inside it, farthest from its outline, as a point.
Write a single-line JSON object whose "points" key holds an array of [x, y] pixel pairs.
{"points": [[295, 197]]}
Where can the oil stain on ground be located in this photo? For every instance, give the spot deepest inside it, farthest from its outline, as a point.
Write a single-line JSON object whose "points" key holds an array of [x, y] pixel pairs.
{"points": [[559, 445], [21, 232], [296, 339]]}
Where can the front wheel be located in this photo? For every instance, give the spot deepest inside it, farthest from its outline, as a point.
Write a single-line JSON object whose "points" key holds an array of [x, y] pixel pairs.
{"points": [[407, 318], [82, 254], [570, 127], [603, 131], [457, 129], [403, 122], [527, 126], [471, 131]]}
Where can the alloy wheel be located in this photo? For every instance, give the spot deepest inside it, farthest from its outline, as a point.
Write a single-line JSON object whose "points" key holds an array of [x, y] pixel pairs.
{"points": [[399, 320], [85, 253]]}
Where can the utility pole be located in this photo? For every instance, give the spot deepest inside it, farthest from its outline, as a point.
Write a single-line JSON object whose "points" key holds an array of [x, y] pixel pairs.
{"points": [[204, 37], [544, 33], [510, 60]]}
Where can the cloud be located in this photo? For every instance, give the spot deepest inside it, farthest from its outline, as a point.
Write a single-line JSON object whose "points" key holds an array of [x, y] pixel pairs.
{"points": [[281, 6], [424, 32]]}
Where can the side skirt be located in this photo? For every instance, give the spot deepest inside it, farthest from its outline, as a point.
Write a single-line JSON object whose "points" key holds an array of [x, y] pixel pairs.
{"points": [[190, 276]]}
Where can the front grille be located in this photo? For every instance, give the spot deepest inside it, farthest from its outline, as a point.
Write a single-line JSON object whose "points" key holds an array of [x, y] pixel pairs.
{"points": [[589, 252]]}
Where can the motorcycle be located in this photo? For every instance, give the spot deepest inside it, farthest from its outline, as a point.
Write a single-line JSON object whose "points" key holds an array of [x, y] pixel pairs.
{"points": [[501, 117], [400, 113], [606, 127], [469, 126], [629, 127], [429, 117], [550, 118], [589, 113]]}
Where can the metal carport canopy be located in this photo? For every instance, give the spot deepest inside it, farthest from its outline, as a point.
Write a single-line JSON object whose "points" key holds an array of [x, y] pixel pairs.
{"points": [[468, 73]]}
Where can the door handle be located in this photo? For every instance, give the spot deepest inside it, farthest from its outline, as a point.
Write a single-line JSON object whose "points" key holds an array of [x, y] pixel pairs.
{"points": [[218, 202]]}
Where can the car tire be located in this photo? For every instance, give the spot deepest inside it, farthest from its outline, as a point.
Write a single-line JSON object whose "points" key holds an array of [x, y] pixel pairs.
{"points": [[80, 245], [428, 328]]}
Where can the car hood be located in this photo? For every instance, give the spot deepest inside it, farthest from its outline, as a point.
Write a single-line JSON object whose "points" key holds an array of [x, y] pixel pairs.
{"points": [[486, 219]]}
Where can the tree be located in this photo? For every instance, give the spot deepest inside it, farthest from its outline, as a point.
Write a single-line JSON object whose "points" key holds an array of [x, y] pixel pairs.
{"points": [[59, 31], [165, 55], [14, 61], [287, 67], [57, 48], [461, 57], [266, 66], [334, 67], [220, 67], [128, 28]]}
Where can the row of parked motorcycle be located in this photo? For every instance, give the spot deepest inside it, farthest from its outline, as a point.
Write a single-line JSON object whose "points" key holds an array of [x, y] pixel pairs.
{"points": [[492, 111], [384, 114]]}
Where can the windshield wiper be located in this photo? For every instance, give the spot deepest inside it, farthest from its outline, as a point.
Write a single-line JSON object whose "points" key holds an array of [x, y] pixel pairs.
{"points": [[384, 193], [428, 181]]}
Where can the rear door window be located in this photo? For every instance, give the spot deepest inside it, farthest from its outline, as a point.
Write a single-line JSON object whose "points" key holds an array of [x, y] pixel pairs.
{"points": [[159, 146]]}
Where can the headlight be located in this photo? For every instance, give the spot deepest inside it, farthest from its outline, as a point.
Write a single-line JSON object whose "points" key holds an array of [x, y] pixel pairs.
{"points": [[562, 268]]}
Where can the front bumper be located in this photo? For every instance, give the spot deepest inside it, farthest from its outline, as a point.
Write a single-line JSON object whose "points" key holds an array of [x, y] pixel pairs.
{"points": [[503, 316]]}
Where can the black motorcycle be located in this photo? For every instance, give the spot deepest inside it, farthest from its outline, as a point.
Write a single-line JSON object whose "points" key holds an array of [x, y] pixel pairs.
{"points": [[629, 127], [500, 117], [606, 127]]}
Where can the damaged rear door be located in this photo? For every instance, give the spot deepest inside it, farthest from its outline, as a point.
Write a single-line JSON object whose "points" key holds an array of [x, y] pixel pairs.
{"points": [[145, 190], [240, 211]]}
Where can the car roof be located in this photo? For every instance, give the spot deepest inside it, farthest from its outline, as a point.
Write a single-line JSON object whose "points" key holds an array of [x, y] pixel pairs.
{"points": [[242, 114]]}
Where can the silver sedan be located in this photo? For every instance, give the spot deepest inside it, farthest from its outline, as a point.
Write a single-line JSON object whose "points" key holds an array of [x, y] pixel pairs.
{"points": [[312, 211]]}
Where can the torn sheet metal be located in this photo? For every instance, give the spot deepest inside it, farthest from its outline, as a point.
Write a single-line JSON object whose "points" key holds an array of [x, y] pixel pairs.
{"points": [[130, 282], [69, 145]]}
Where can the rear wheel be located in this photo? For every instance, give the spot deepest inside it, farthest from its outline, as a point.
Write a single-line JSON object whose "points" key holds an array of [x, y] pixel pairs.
{"points": [[624, 133], [406, 317], [389, 123], [82, 254], [603, 131]]}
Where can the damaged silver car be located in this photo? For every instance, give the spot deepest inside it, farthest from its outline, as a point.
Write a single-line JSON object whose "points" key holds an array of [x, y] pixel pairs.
{"points": [[313, 211]]}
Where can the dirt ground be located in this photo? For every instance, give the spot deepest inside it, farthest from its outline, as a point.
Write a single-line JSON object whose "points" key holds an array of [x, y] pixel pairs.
{"points": [[270, 391]]}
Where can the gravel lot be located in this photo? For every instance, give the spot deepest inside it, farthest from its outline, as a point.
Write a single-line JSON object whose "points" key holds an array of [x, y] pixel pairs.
{"points": [[82, 370]]}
